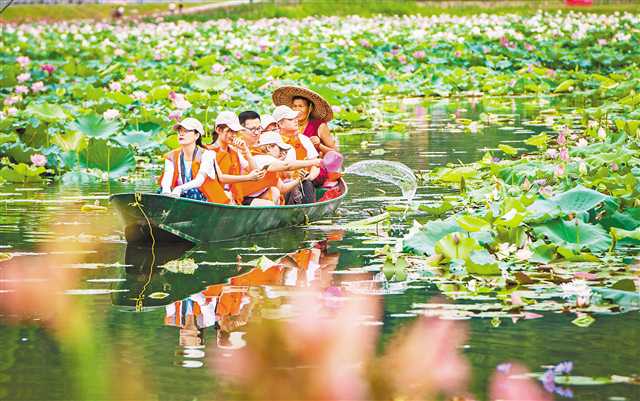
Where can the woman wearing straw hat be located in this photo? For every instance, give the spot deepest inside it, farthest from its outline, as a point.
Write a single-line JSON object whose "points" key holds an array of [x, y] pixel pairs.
{"points": [[315, 113]]}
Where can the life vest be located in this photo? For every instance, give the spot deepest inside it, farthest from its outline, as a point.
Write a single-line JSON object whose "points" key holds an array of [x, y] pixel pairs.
{"points": [[269, 180], [212, 189], [257, 276], [301, 151], [229, 162]]}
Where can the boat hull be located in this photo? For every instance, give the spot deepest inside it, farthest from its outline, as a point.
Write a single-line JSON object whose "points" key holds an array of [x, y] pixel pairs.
{"points": [[163, 218]]}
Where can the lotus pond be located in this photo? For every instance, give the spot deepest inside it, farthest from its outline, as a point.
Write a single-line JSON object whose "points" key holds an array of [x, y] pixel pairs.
{"points": [[524, 224]]}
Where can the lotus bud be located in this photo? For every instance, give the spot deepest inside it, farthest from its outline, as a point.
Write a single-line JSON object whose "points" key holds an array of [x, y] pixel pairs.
{"points": [[602, 134]]}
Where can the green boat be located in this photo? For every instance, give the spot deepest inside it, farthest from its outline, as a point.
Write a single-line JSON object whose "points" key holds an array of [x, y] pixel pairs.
{"points": [[147, 217]]}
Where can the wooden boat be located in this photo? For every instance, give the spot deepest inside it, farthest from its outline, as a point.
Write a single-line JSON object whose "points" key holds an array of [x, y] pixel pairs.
{"points": [[171, 219]]}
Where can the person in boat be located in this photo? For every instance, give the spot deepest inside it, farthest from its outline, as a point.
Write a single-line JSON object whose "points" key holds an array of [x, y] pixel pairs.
{"points": [[198, 176], [301, 149], [314, 114], [250, 120], [268, 124], [271, 159], [232, 154], [183, 164]]}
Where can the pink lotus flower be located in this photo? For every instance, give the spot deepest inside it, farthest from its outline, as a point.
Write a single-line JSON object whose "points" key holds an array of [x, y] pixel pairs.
{"points": [[175, 115], [614, 166], [129, 78], [402, 59], [509, 383], [118, 52], [602, 42], [157, 56], [23, 61], [180, 103], [419, 54], [559, 170], [37, 87], [25, 76], [528, 47], [12, 111], [457, 54], [115, 86], [564, 154], [21, 89], [11, 100], [226, 59], [218, 68], [38, 160], [139, 95], [111, 114], [48, 68], [365, 43]]}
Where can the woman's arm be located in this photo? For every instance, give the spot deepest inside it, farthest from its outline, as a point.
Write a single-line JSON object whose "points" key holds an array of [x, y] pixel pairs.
{"points": [[286, 187], [167, 177], [195, 183], [293, 165], [328, 142], [313, 173]]}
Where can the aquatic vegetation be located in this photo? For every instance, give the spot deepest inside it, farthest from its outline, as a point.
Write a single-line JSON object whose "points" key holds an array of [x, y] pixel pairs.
{"points": [[74, 91]]}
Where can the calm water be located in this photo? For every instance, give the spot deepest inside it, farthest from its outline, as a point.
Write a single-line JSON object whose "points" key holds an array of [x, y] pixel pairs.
{"points": [[144, 354]]}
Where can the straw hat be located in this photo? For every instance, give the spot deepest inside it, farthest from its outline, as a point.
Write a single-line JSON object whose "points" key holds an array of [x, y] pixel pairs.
{"points": [[321, 108]]}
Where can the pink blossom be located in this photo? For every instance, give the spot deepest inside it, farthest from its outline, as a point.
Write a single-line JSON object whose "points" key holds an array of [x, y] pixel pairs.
{"points": [[559, 170], [23, 61], [530, 68], [218, 68], [238, 55], [551, 73], [25, 76], [157, 56], [129, 78], [365, 43], [225, 59], [419, 54], [11, 100], [402, 59], [48, 68], [20, 89], [175, 115], [614, 166], [552, 153], [457, 54], [115, 86], [12, 111], [582, 142], [118, 52], [504, 42], [528, 47], [179, 102], [38, 160], [172, 95], [395, 51], [564, 154], [111, 114], [37, 87], [139, 95], [602, 42]]}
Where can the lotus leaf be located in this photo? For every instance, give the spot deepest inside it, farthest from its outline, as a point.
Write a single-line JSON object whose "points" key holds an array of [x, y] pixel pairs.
{"points": [[575, 234], [46, 112], [114, 160], [95, 126], [456, 246]]}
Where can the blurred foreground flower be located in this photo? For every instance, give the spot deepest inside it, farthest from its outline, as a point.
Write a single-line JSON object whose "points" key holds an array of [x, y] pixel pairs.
{"points": [[510, 383], [330, 354]]}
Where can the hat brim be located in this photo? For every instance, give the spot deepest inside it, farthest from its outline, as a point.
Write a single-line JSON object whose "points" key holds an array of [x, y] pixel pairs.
{"points": [[178, 125], [234, 127], [321, 108], [281, 145]]}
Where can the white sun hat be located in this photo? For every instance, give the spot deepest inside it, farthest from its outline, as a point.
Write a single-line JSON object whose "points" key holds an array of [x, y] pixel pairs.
{"points": [[282, 112], [190, 124], [266, 121], [230, 119], [272, 138]]}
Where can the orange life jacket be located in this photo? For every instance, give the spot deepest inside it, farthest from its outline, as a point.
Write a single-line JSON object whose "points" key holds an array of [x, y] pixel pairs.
{"points": [[212, 189], [301, 151], [249, 187], [229, 162]]}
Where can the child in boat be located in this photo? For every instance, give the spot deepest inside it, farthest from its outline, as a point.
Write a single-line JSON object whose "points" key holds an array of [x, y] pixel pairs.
{"points": [[268, 190], [183, 163], [200, 179]]}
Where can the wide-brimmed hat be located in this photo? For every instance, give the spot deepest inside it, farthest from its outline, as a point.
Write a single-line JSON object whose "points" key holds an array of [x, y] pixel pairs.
{"points": [[272, 138], [190, 124], [230, 119], [321, 108]]}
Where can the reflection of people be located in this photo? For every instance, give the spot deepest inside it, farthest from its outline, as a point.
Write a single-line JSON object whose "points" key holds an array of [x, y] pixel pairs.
{"points": [[230, 306]]}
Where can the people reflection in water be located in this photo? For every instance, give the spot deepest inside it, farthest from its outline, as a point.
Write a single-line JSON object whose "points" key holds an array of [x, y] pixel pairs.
{"points": [[229, 306]]}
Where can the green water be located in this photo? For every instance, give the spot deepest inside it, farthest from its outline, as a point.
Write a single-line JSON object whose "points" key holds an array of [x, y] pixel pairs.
{"points": [[138, 351]]}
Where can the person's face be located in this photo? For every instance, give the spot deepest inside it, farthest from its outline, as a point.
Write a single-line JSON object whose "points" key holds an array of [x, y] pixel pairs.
{"points": [[225, 134], [187, 137], [301, 106], [252, 132], [288, 125], [275, 151]]}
